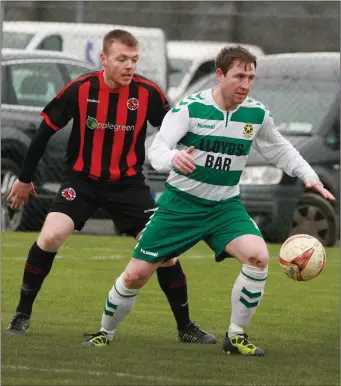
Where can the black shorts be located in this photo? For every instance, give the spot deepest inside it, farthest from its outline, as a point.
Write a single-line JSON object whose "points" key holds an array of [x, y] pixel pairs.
{"points": [[128, 203]]}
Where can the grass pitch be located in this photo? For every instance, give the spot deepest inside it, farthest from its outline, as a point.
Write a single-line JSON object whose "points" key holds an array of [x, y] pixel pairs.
{"points": [[297, 322]]}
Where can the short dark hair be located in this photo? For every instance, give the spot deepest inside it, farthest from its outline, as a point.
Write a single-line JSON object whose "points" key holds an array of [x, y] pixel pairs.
{"points": [[121, 36], [227, 55]]}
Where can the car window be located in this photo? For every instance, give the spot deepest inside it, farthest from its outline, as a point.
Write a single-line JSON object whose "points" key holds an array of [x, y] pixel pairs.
{"points": [[75, 71], [203, 70], [12, 39], [35, 84], [52, 43], [178, 69], [4, 85], [333, 137], [298, 106]]}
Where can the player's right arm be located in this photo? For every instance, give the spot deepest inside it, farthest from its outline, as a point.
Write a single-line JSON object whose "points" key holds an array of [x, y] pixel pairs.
{"points": [[162, 153], [56, 115]]}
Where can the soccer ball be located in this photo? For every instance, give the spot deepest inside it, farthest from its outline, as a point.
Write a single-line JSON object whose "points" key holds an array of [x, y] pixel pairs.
{"points": [[302, 257]]}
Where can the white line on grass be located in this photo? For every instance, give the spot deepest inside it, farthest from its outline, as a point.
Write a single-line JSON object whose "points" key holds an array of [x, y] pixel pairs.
{"points": [[117, 257], [107, 373], [120, 257], [112, 257], [122, 250]]}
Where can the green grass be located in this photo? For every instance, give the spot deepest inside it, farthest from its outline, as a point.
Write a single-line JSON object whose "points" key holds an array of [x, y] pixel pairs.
{"points": [[297, 323]]}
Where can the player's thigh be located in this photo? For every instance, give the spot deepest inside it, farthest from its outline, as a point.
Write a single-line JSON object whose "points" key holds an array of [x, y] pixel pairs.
{"points": [[166, 235], [232, 222], [77, 200], [130, 208]]}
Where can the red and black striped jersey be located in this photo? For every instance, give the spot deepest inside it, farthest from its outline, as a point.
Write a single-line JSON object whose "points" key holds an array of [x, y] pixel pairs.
{"points": [[109, 126]]}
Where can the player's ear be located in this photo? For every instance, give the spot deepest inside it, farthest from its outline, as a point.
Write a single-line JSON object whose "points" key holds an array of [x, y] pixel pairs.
{"points": [[220, 75], [103, 59]]}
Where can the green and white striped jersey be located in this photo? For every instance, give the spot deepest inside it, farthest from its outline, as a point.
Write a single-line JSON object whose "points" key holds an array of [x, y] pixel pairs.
{"points": [[222, 142]]}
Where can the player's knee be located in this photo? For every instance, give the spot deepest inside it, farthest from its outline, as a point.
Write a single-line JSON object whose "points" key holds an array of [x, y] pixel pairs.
{"points": [[50, 240], [259, 260], [135, 279]]}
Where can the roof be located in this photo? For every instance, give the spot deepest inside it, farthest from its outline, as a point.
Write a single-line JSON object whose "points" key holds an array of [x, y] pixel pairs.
{"points": [[198, 49], [10, 54], [307, 65], [315, 66], [43, 27]]}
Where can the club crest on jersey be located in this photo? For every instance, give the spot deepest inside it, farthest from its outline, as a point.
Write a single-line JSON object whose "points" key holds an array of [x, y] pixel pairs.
{"points": [[132, 104], [69, 194], [248, 130]]}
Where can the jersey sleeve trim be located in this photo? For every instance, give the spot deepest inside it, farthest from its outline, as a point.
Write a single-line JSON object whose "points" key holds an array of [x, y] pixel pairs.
{"points": [[79, 79], [48, 121]]}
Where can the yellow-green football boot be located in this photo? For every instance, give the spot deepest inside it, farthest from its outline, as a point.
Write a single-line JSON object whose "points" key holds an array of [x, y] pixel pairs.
{"points": [[99, 339], [240, 344]]}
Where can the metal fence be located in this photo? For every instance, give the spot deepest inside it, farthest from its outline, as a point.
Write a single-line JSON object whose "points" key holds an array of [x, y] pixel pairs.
{"points": [[276, 26], [272, 26]]}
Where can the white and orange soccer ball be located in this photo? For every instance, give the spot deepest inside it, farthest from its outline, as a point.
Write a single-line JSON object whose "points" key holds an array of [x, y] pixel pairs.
{"points": [[302, 257]]}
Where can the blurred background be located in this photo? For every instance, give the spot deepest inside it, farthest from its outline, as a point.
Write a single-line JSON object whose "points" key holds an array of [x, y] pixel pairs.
{"points": [[46, 44], [276, 26]]}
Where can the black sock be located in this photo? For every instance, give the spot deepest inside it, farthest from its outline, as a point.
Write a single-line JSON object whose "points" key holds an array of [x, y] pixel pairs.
{"points": [[173, 282], [37, 267]]}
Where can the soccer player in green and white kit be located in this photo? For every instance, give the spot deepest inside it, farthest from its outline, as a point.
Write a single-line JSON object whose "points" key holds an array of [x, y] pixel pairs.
{"points": [[205, 141]]}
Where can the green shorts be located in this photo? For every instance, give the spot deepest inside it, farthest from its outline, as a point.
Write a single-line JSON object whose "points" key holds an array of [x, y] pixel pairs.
{"points": [[179, 222]]}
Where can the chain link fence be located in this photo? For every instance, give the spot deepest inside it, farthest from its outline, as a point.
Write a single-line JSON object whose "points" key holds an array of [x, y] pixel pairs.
{"points": [[276, 26], [26, 86]]}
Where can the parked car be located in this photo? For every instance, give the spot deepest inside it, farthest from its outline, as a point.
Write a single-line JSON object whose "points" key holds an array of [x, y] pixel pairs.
{"points": [[85, 40], [29, 80], [302, 90], [191, 60]]}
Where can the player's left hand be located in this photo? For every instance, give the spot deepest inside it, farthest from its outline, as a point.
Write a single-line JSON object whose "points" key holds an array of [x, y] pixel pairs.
{"points": [[319, 189]]}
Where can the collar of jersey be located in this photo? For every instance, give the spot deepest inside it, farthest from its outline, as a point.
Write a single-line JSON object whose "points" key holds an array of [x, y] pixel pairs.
{"points": [[208, 95], [105, 87]]}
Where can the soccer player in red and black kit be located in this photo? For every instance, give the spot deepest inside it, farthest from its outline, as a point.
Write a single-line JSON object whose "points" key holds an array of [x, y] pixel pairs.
{"points": [[110, 109]]}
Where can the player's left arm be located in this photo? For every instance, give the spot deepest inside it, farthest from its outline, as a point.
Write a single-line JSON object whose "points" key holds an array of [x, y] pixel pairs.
{"points": [[279, 151]]}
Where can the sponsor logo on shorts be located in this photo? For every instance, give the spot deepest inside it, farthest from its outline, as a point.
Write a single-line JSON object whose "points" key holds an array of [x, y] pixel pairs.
{"points": [[149, 210], [155, 254], [69, 194]]}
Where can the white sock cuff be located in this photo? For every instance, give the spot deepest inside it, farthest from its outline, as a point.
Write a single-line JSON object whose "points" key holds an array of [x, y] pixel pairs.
{"points": [[254, 273], [122, 290]]}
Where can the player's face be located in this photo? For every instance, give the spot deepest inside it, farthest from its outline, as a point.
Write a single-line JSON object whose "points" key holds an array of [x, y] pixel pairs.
{"points": [[236, 84], [119, 64]]}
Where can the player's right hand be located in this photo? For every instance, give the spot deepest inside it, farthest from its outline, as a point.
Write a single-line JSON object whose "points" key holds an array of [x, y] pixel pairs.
{"points": [[20, 193], [183, 161]]}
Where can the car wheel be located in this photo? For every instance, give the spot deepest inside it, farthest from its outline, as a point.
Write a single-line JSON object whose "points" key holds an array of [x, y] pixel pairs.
{"points": [[315, 216], [10, 219]]}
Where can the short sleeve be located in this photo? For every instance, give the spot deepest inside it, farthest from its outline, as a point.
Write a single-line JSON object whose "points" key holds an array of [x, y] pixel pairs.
{"points": [[158, 107], [62, 108]]}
